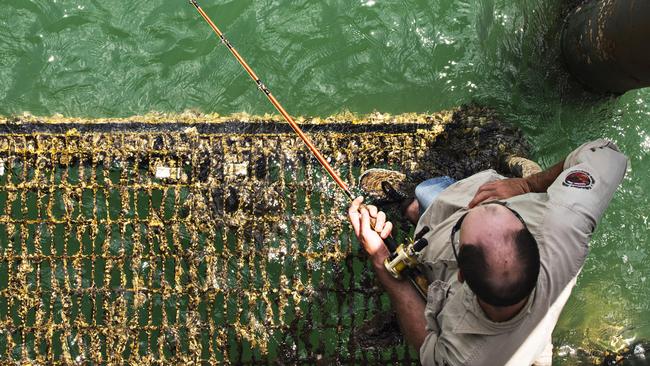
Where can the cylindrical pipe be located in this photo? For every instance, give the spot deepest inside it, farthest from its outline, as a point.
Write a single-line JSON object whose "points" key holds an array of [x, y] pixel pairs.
{"points": [[605, 44]]}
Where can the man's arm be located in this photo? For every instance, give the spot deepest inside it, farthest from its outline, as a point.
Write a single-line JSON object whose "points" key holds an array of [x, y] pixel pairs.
{"points": [[539, 183], [588, 154], [506, 188], [591, 175], [406, 301], [576, 202]]}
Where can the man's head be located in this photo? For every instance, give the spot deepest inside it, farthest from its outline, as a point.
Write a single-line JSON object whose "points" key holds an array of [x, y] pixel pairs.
{"points": [[497, 255]]}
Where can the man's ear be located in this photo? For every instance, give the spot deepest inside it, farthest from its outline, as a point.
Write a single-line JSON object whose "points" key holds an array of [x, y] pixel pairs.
{"points": [[461, 279]]}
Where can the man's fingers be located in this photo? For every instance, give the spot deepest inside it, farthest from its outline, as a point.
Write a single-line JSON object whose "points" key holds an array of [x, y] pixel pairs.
{"points": [[381, 220], [479, 197], [354, 216], [492, 198], [356, 204], [354, 220], [365, 222], [388, 228], [372, 210], [488, 199], [501, 189]]}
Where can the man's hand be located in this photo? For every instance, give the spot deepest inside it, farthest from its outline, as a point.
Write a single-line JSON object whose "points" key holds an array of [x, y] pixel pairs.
{"points": [[371, 238], [500, 189]]}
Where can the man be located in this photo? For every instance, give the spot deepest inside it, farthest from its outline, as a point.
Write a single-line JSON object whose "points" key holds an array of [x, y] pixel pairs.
{"points": [[499, 271]]}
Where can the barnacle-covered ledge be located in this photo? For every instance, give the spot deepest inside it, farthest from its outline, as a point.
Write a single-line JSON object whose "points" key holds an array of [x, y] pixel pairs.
{"points": [[189, 117], [184, 239], [472, 129]]}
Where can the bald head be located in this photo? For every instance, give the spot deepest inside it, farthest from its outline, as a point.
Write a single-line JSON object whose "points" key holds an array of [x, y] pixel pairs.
{"points": [[498, 256]]}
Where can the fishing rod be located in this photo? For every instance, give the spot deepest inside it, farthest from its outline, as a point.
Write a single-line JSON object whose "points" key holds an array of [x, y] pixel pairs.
{"points": [[389, 241], [402, 257], [276, 104]]}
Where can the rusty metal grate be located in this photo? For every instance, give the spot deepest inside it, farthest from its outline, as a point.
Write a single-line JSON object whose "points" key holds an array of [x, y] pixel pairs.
{"points": [[204, 240]]}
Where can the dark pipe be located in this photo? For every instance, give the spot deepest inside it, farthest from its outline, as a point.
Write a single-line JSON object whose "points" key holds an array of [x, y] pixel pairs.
{"points": [[606, 44]]}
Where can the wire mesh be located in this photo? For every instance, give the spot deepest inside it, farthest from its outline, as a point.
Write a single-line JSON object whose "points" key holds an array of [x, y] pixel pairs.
{"points": [[199, 241]]}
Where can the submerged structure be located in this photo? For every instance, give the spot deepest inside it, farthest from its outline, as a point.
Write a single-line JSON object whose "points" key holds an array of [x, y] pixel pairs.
{"points": [[206, 239], [604, 44]]}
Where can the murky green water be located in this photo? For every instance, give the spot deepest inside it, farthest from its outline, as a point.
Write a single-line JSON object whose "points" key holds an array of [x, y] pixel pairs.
{"points": [[119, 58]]}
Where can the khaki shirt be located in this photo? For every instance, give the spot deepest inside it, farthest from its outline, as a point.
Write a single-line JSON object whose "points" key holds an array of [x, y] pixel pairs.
{"points": [[561, 220]]}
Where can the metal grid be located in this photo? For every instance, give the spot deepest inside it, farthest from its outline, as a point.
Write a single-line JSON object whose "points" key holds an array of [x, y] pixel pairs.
{"points": [[197, 241]]}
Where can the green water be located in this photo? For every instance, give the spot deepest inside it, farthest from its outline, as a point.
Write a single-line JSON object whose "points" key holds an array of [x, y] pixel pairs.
{"points": [[120, 58]]}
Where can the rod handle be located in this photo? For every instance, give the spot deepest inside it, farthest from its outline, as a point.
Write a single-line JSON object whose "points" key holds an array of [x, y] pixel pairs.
{"points": [[391, 244], [419, 245]]}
